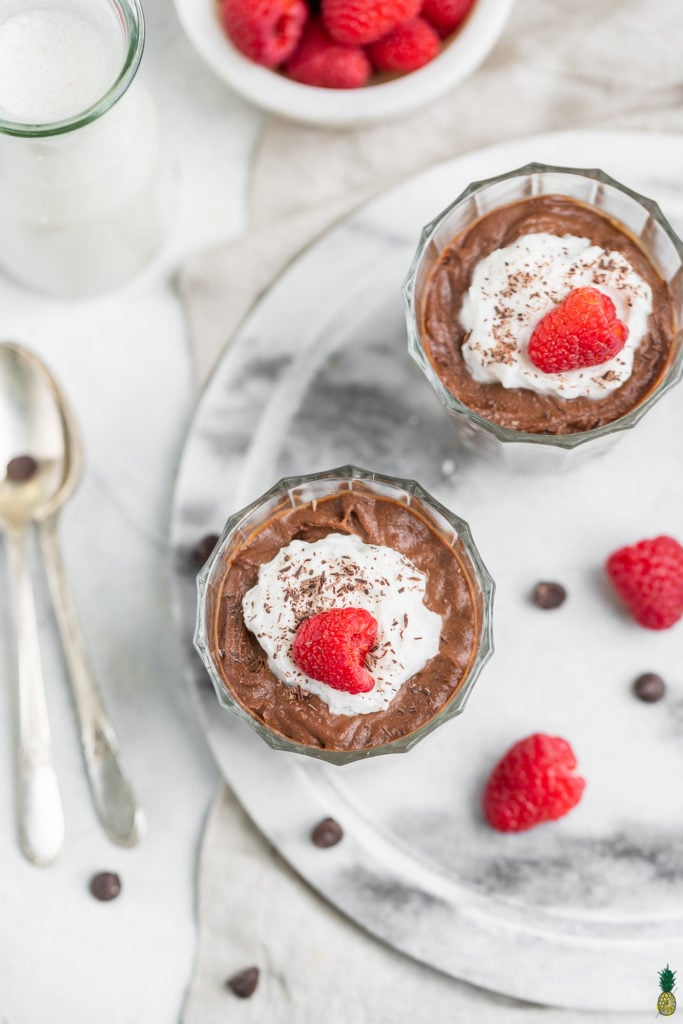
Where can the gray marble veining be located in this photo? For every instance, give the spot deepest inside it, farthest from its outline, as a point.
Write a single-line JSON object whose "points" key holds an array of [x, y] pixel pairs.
{"points": [[579, 913]]}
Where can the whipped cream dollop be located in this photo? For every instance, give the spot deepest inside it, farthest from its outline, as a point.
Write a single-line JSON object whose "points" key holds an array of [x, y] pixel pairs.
{"points": [[341, 571], [512, 290]]}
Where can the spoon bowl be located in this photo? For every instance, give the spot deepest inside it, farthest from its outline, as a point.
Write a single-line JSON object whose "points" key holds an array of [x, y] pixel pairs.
{"points": [[31, 424]]}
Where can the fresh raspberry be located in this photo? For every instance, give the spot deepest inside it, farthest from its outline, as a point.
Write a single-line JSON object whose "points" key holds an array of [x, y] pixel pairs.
{"points": [[407, 48], [332, 647], [446, 15], [582, 331], [319, 60], [266, 31], [648, 577], [532, 783], [359, 22]]}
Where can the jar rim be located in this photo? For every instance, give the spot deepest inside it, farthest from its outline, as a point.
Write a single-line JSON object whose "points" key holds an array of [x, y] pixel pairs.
{"points": [[132, 18]]}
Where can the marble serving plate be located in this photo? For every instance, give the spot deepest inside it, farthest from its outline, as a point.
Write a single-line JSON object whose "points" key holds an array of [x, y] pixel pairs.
{"points": [[581, 913]]}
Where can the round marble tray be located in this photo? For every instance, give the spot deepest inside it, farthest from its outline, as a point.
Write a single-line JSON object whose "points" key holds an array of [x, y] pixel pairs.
{"points": [[581, 913]]}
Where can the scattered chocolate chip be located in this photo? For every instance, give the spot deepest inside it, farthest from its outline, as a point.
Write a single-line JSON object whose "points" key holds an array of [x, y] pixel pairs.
{"points": [[649, 687], [549, 595], [327, 832], [244, 983], [204, 547], [21, 468], [105, 886]]}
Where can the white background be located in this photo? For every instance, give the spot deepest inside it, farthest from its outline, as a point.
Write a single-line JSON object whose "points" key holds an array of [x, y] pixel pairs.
{"points": [[124, 361]]}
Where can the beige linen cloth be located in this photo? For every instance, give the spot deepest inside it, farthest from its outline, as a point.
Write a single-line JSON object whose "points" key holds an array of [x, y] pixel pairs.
{"points": [[559, 65]]}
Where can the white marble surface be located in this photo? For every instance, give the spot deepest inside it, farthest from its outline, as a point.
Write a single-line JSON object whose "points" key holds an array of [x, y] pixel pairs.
{"points": [[125, 364], [318, 375]]}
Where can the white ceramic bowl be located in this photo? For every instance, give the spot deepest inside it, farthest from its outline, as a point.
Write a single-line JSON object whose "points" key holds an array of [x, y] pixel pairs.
{"points": [[343, 107]]}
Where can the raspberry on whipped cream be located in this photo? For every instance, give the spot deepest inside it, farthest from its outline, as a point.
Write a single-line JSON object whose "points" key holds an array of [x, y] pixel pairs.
{"points": [[304, 579], [513, 288]]}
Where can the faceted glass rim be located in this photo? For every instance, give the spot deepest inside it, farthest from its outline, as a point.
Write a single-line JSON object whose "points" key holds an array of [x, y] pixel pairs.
{"points": [[133, 20], [480, 574], [671, 377]]}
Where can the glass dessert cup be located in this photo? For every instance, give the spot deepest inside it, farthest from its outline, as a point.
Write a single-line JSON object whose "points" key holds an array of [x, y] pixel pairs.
{"points": [[295, 492], [640, 218]]}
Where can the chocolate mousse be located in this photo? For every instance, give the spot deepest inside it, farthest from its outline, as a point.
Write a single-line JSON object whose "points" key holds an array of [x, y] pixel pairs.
{"points": [[302, 716], [520, 407]]}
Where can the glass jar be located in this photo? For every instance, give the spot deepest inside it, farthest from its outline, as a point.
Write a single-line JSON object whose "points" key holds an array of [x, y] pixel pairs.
{"points": [[84, 192], [641, 218], [294, 492]]}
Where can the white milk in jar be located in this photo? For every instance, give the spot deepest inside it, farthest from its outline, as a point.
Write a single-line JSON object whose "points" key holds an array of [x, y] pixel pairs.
{"points": [[83, 190]]}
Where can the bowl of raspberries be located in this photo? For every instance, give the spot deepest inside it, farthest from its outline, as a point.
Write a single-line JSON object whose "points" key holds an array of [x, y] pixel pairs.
{"points": [[343, 62]]}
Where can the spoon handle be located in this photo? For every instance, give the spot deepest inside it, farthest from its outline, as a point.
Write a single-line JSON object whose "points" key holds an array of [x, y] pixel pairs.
{"points": [[39, 805], [112, 793]]}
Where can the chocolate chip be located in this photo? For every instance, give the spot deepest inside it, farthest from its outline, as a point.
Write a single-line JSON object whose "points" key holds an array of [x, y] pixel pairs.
{"points": [[244, 983], [21, 468], [204, 547], [649, 687], [549, 595], [105, 886], [327, 832]]}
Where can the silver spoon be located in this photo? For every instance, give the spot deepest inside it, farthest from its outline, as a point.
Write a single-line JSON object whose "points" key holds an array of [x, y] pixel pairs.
{"points": [[112, 793], [29, 423]]}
